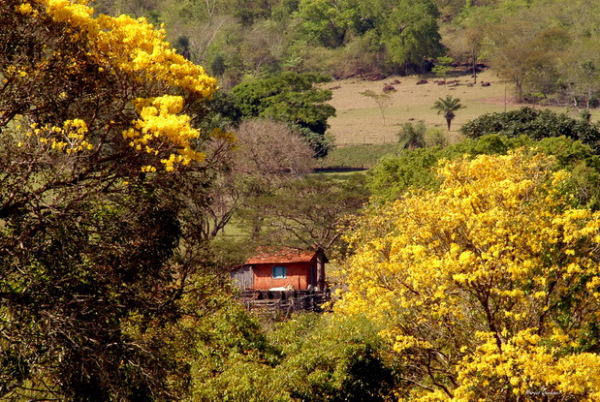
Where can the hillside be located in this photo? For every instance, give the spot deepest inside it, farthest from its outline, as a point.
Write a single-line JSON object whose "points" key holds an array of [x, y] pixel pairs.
{"points": [[359, 119]]}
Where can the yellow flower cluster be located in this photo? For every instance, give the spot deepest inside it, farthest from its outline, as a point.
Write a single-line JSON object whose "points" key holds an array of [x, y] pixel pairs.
{"points": [[70, 138], [498, 251], [25, 9], [530, 368], [160, 120], [132, 45]]}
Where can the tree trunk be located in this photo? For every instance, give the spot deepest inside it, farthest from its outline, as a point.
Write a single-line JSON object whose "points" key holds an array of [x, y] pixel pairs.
{"points": [[474, 70], [320, 270]]}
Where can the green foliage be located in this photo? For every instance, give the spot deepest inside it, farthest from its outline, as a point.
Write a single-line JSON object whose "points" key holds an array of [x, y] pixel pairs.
{"points": [[409, 33], [394, 175], [584, 165], [401, 35], [291, 98], [534, 123], [540, 46], [412, 136], [309, 212], [308, 357], [265, 37], [527, 48], [580, 81], [436, 137], [328, 23], [218, 65], [77, 281], [333, 359], [231, 359], [442, 66], [356, 156]]}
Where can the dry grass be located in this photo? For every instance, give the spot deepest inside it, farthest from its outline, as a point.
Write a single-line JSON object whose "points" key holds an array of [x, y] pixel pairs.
{"points": [[359, 119]]}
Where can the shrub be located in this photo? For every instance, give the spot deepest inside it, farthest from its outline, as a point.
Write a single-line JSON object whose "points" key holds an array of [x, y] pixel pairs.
{"points": [[536, 124]]}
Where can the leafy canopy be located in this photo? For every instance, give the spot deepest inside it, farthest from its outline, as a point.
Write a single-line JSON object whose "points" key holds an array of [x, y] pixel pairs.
{"points": [[534, 123], [290, 98]]}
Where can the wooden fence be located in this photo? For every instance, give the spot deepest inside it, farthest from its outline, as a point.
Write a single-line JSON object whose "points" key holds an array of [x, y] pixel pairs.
{"points": [[286, 302]]}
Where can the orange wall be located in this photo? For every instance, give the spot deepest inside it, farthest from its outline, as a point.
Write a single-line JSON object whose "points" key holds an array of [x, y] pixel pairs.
{"points": [[297, 275]]}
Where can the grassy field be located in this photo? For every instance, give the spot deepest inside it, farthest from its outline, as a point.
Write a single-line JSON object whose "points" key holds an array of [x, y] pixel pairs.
{"points": [[357, 156], [359, 119]]}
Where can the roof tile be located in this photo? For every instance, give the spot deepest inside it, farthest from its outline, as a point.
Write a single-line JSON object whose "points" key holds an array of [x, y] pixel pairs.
{"points": [[288, 255]]}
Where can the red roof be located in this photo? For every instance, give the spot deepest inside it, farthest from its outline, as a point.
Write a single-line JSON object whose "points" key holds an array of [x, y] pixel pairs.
{"points": [[280, 256]]}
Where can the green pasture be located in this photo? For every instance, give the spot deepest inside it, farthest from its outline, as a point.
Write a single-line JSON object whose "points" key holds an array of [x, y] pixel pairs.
{"points": [[347, 159]]}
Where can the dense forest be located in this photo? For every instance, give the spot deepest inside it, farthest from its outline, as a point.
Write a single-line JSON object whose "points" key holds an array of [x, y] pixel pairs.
{"points": [[134, 175], [544, 47]]}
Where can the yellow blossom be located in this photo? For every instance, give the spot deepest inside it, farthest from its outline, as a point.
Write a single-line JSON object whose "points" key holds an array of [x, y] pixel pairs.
{"points": [[503, 297]]}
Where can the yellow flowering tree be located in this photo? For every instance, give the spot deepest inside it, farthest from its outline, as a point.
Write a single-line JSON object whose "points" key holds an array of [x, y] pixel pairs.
{"points": [[99, 134], [488, 289], [116, 79]]}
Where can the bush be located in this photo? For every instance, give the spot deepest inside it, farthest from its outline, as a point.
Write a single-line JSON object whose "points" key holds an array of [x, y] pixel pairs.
{"points": [[536, 124], [331, 358]]}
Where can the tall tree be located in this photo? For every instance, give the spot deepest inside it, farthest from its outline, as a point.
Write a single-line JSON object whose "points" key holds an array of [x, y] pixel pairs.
{"points": [[527, 53], [382, 100], [479, 282], [580, 72], [466, 35], [442, 66], [93, 123], [290, 98], [410, 34], [328, 23]]}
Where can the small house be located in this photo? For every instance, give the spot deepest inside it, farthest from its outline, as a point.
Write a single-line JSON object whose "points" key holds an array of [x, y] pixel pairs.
{"points": [[282, 268]]}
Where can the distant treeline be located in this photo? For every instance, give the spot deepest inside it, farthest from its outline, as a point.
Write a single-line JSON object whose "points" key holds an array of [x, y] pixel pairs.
{"points": [[547, 49]]}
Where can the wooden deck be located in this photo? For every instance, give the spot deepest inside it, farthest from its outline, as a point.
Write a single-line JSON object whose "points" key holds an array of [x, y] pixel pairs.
{"points": [[286, 302]]}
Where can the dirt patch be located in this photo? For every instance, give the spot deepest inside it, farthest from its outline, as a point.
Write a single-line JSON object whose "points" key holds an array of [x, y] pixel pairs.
{"points": [[509, 100]]}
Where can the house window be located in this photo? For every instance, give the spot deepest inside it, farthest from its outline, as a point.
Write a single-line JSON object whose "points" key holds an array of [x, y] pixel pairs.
{"points": [[279, 272]]}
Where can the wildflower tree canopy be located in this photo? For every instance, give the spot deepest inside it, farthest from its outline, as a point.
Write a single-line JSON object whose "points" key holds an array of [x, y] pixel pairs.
{"points": [[96, 116], [488, 288], [100, 86]]}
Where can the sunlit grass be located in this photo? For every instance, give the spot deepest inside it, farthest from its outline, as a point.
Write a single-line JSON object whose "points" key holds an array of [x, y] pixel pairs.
{"points": [[356, 156], [359, 119]]}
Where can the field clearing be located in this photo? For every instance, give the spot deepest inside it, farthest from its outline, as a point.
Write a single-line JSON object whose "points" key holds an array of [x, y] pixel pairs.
{"points": [[355, 156], [359, 119]]}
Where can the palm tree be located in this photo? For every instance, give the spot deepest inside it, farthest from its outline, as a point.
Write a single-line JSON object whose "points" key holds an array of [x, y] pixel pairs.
{"points": [[448, 106]]}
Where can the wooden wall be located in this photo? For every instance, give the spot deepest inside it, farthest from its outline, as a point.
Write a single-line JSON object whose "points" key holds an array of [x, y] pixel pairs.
{"points": [[299, 275], [243, 277]]}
